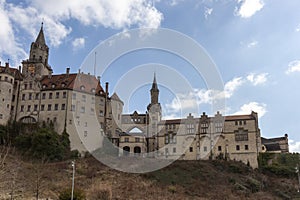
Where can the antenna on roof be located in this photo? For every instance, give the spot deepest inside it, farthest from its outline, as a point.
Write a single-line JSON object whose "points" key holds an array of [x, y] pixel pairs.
{"points": [[95, 63]]}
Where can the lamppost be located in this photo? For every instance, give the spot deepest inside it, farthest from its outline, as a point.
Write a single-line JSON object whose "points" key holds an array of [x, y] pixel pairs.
{"points": [[73, 165], [298, 173]]}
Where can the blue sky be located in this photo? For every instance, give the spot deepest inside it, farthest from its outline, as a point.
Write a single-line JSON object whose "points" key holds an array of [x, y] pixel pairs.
{"points": [[255, 45]]}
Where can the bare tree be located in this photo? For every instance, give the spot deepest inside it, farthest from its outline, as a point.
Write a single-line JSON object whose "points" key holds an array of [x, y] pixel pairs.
{"points": [[38, 176]]}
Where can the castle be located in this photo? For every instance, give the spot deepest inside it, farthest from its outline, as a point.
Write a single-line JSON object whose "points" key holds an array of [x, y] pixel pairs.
{"points": [[75, 102]]}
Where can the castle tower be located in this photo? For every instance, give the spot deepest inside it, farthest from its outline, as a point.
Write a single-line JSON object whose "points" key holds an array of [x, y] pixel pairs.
{"points": [[154, 113], [37, 64], [154, 91]]}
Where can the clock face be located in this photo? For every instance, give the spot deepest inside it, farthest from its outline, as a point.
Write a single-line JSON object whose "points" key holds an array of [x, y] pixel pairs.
{"points": [[31, 69]]}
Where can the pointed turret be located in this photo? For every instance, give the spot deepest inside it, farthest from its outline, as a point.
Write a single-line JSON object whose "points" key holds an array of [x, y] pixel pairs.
{"points": [[41, 38], [37, 64], [154, 91]]}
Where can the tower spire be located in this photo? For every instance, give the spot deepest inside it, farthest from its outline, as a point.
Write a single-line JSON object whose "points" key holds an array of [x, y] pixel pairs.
{"points": [[41, 38], [154, 91]]}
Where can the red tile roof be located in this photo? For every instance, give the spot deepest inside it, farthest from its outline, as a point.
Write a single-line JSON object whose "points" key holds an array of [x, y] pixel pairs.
{"points": [[78, 82], [13, 71]]}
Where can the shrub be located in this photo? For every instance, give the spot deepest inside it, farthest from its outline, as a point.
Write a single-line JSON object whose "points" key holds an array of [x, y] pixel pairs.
{"points": [[100, 192], [172, 189], [67, 193]]}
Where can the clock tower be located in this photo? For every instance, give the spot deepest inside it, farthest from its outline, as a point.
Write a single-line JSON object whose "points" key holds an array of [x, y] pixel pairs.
{"points": [[37, 65]]}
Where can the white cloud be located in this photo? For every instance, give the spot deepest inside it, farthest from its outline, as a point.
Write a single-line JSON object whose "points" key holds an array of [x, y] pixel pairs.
{"points": [[252, 44], [260, 108], [248, 7], [175, 2], [257, 79], [191, 100], [297, 28], [109, 13], [9, 46], [26, 18], [294, 66], [207, 12], [294, 146], [78, 43]]}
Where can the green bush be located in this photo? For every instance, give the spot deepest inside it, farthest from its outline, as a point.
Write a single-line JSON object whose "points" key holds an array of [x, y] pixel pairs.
{"points": [[67, 193], [44, 143]]}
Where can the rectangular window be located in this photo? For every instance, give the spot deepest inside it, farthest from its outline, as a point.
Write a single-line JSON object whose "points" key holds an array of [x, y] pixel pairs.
{"points": [[72, 107], [44, 96], [101, 113], [28, 108], [23, 97], [126, 140], [236, 123], [174, 150], [30, 96], [42, 107], [1, 116], [205, 149], [37, 96], [50, 95], [82, 110], [35, 107], [22, 108], [219, 148], [63, 106], [56, 107], [70, 121], [74, 96], [241, 135], [92, 110], [166, 139], [85, 133], [191, 149], [49, 107], [246, 147], [13, 98], [237, 147], [83, 98], [190, 128], [64, 95], [57, 95], [245, 122], [137, 139], [30, 85], [93, 100]]}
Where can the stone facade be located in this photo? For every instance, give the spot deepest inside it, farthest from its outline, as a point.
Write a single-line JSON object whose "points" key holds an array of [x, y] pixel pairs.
{"points": [[77, 103]]}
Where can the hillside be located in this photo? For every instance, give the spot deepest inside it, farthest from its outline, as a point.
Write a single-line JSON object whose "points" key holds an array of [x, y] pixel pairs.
{"points": [[181, 180]]}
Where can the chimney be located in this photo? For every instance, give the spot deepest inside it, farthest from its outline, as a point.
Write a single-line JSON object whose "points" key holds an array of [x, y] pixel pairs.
{"points": [[20, 68], [0, 63], [50, 75], [98, 78], [78, 71], [106, 88], [68, 71], [7, 64]]}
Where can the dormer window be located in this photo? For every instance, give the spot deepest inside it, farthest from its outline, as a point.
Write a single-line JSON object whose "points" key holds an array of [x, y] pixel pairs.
{"points": [[93, 90], [44, 86], [82, 87], [53, 85], [63, 85]]}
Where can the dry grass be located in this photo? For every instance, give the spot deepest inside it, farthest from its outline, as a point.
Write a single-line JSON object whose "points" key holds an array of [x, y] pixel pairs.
{"points": [[181, 180]]}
